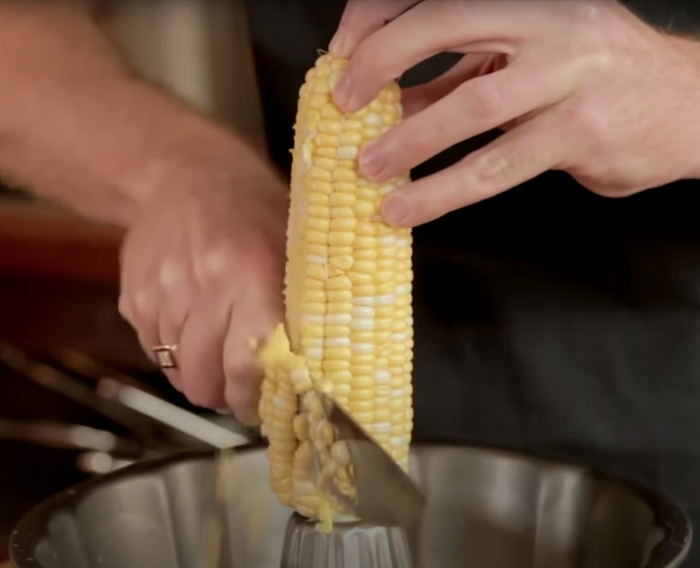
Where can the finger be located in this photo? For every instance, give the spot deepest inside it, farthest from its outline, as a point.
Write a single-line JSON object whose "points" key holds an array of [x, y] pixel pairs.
{"points": [[125, 308], [202, 341], [475, 107], [177, 288], [512, 159], [142, 307], [254, 317], [138, 298], [141, 302], [415, 99], [138, 325], [360, 19], [429, 28]]}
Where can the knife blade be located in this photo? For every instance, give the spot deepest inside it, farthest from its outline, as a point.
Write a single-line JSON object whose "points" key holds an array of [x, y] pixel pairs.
{"points": [[385, 494]]}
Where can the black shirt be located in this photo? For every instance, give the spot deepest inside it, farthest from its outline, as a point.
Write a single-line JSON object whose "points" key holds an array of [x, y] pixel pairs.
{"points": [[548, 319]]}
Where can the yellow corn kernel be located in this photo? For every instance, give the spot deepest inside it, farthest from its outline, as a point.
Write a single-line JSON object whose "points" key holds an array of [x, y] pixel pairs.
{"points": [[348, 322]]}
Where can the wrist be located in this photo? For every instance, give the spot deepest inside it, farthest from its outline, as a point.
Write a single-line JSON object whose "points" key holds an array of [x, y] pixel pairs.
{"points": [[198, 155], [155, 140], [689, 49]]}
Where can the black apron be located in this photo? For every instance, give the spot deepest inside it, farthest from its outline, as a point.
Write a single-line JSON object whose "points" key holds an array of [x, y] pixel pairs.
{"points": [[548, 319]]}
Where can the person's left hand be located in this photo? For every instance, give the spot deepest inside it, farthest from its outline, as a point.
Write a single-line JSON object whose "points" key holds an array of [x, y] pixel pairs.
{"points": [[582, 86]]}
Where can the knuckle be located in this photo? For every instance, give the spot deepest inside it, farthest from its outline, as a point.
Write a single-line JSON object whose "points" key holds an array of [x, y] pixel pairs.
{"points": [[138, 307], [599, 61], [212, 265], [608, 181], [495, 164], [170, 273], [589, 123]]}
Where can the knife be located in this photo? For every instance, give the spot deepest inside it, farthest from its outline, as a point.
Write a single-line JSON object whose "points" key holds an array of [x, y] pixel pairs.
{"points": [[385, 494]]}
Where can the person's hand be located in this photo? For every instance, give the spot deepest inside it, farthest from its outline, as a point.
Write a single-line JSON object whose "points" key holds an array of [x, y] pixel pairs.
{"points": [[202, 268], [582, 86]]}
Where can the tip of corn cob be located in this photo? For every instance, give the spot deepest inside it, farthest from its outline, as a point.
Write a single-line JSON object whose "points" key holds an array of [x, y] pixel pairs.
{"points": [[348, 329]]}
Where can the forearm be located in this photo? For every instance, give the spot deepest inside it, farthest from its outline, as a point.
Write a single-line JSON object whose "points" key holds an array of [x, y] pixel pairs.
{"points": [[76, 126], [689, 47]]}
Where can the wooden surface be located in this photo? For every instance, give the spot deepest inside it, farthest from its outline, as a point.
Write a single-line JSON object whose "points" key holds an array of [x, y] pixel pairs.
{"points": [[59, 284], [44, 315], [37, 238]]}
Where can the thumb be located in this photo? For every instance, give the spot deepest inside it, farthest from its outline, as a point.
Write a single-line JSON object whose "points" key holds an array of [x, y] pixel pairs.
{"points": [[254, 316]]}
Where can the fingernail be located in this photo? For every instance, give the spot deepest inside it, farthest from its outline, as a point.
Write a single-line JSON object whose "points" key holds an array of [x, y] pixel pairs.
{"points": [[372, 160], [395, 209], [343, 91], [337, 45]]}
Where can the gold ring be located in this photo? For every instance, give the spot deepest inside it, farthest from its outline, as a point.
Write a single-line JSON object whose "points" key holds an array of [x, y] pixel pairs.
{"points": [[165, 356]]}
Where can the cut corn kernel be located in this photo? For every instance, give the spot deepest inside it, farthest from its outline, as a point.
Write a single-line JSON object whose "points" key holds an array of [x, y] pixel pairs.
{"points": [[349, 326]]}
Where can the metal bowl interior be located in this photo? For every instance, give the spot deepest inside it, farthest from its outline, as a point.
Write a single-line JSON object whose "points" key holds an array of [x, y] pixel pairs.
{"points": [[486, 509]]}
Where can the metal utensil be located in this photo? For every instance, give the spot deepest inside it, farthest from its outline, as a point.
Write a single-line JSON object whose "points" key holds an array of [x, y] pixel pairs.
{"points": [[99, 463], [175, 417], [214, 520], [486, 508], [106, 377], [156, 422], [147, 430], [67, 436], [385, 494], [87, 367]]}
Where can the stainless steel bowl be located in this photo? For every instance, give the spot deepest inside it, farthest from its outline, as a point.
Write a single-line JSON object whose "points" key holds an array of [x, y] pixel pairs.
{"points": [[486, 509]]}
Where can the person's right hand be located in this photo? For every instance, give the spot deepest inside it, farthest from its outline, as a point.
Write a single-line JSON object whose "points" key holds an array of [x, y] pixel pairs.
{"points": [[584, 87], [202, 268]]}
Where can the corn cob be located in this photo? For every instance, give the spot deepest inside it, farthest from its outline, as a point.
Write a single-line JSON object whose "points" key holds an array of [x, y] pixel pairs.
{"points": [[349, 325]]}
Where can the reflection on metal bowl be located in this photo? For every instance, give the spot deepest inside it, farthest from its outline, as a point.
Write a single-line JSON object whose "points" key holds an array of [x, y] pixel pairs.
{"points": [[486, 508]]}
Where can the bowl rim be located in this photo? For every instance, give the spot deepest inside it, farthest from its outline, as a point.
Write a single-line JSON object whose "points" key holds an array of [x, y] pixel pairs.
{"points": [[668, 553]]}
